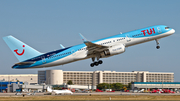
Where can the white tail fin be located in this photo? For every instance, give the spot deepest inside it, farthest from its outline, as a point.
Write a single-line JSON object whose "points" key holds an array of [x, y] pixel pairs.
{"points": [[49, 89]]}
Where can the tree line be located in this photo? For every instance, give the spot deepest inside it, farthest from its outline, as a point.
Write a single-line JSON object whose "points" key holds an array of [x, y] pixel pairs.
{"points": [[113, 86]]}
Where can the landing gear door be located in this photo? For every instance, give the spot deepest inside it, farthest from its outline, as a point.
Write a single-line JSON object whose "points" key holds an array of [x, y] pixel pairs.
{"points": [[43, 59]]}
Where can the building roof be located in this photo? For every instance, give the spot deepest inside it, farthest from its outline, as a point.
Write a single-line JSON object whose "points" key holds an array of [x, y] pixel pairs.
{"points": [[156, 83], [18, 75], [6, 82]]}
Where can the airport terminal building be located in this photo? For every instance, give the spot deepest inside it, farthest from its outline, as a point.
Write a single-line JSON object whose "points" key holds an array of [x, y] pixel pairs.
{"points": [[30, 78], [89, 79], [93, 78], [155, 85]]}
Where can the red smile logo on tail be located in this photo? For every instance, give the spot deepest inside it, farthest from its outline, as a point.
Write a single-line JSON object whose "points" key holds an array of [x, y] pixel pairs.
{"points": [[19, 53]]}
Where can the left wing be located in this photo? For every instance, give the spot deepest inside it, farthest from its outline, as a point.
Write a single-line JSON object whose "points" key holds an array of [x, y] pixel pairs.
{"points": [[92, 47]]}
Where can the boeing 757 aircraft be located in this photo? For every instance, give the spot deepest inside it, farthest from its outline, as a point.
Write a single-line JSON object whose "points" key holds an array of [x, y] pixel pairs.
{"points": [[102, 48]]}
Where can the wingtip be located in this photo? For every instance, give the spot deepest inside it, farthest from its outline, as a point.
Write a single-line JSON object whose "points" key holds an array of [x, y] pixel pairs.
{"points": [[83, 38]]}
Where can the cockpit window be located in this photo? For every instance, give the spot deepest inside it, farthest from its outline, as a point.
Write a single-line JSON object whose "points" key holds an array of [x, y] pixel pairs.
{"points": [[166, 27]]}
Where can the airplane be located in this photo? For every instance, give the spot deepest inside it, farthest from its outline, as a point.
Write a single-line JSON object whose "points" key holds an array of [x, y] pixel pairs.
{"points": [[59, 91], [102, 48]]}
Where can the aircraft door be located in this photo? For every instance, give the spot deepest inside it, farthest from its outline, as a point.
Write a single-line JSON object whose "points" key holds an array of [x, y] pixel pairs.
{"points": [[43, 59], [73, 52], [159, 30], [128, 38]]}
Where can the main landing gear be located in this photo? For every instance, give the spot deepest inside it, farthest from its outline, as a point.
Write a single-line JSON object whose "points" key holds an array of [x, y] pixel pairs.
{"points": [[96, 63], [157, 42]]}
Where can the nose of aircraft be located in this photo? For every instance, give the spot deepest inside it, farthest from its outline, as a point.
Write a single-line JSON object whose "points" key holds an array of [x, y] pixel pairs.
{"points": [[172, 31]]}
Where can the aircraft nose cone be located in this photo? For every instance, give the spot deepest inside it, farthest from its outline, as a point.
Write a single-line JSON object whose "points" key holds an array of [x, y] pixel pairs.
{"points": [[173, 31]]}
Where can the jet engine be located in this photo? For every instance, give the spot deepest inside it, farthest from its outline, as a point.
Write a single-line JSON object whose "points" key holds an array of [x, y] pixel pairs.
{"points": [[117, 49]]}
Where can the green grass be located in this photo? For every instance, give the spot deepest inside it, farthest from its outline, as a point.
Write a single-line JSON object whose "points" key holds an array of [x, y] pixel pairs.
{"points": [[93, 97]]}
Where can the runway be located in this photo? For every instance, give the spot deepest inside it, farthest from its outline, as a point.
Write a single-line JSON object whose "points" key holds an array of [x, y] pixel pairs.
{"points": [[90, 94]]}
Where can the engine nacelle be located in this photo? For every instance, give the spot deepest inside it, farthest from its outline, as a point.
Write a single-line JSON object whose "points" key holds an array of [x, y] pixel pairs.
{"points": [[118, 49]]}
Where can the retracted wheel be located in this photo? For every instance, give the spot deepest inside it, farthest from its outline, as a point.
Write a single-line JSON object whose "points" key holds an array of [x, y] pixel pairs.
{"points": [[92, 64], [157, 47]]}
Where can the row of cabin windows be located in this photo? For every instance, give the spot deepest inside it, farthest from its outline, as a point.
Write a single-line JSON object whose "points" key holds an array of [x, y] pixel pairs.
{"points": [[82, 49], [120, 39], [110, 41], [105, 43], [59, 55], [35, 58], [138, 35]]}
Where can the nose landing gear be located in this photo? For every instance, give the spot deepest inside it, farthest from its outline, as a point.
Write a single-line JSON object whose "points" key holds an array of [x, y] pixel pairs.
{"points": [[157, 42], [157, 47]]}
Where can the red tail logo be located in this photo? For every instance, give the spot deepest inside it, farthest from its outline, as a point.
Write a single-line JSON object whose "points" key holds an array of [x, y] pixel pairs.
{"points": [[19, 53]]}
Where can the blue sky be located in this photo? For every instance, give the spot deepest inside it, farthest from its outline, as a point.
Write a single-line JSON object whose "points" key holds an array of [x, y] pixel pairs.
{"points": [[44, 24]]}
